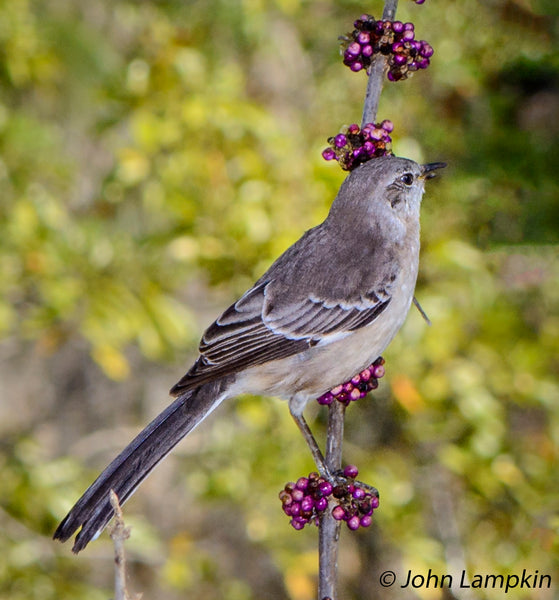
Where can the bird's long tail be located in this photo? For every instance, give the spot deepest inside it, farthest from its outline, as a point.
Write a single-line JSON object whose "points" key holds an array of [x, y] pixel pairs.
{"points": [[93, 510]]}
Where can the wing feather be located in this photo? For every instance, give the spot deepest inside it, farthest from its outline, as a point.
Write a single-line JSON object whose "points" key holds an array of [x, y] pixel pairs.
{"points": [[318, 290], [253, 332]]}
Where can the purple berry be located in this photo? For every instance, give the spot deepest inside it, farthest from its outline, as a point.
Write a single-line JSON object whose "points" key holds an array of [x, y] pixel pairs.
{"points": [[365, 521], [298, 525], [321, 504], [355, 394], [325, 488], [367, 51], [397, 26], [351, 471], [354, 49], [338, 513], [356, 66], [364, 38], [426, 50], [302, 483], [295, 509], [375, 502], [328, 154], [365, 375], [285, 497], [297, 495], [307, 504], [340, 140], [387, 125], [353, 523], [358, 493], [378, 371]]}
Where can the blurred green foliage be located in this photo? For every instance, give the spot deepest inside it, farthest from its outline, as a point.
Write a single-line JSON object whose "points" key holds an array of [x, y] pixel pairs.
{"points": [[154, 158]]}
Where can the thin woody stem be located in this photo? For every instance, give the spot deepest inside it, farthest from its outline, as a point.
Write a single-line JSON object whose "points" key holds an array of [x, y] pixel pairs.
{"points": [[329, 530], [376, 73]]}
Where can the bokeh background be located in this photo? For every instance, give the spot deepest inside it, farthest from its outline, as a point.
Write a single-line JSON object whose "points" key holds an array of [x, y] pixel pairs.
{"points": [[155, 156]]}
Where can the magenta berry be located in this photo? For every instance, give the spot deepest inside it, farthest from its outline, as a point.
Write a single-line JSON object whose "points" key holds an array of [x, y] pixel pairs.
{"points": [[302, 483], [340, 140], [365, 381], [351, 471], [328, 154], [321, 504], [365, 521], [338, 513], [305, 500], [298, 525], [297, 495], [354, 146], [325, 488], [358, 493], [395, 40]]}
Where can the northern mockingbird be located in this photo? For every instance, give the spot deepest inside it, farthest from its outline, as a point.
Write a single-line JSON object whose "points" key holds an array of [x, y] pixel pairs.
{"points": [[324, 310]]}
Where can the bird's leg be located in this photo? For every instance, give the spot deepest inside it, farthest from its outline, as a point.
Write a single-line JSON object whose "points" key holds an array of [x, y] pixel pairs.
{"points": [[313, 446]]}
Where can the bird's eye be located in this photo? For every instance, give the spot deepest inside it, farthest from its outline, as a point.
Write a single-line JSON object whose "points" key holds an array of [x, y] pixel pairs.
{"points": [[407, 179]]}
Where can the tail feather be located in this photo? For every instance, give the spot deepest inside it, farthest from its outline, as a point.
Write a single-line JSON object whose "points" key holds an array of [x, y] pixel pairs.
{"points": [[93, 510]]}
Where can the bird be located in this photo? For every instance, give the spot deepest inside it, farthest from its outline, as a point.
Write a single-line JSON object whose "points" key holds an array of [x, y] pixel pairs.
{"points": [[324, 310]]}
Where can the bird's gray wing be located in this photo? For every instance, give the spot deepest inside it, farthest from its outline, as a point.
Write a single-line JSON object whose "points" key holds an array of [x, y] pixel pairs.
{"points": [[261, 327]]}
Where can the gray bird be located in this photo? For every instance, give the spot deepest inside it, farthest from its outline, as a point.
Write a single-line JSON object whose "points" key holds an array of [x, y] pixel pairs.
{"points": [[325, 310]]}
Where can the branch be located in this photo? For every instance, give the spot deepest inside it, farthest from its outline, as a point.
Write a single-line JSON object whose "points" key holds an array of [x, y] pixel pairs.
{"points": [[329, 530], [376, 73], [119, 533]]}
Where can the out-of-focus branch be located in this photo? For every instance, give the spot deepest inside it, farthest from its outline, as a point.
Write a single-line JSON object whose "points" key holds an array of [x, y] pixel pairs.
{"points": [[119, 534]]}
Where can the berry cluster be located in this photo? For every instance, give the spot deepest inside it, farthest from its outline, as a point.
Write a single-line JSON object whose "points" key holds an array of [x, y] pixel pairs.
{"points": [[354, 146], [356, 501], [358, 387], [393, 39], [305, 499]]}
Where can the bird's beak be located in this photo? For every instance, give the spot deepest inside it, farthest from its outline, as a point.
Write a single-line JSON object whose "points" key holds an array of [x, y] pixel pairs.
{"points": [[428, 170]]}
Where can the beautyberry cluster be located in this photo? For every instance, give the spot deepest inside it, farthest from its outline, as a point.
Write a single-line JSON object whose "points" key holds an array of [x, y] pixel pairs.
{"points": [[307, 498], [356, 501], [354, 146], [358, 387], [393, 39]]}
